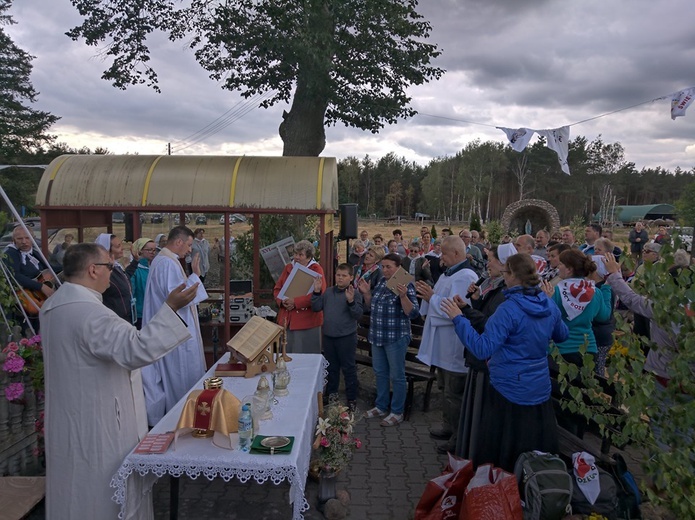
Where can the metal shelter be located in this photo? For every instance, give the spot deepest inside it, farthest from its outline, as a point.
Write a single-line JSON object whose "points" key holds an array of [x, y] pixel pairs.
{"points": [[630, 214], [81, 191]]}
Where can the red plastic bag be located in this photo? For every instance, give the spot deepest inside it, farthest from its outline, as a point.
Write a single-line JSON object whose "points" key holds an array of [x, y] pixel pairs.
{"points": [[491, 494], [442, 497]]}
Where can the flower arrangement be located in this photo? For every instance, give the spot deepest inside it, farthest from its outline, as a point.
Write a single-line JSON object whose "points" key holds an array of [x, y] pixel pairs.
{"points": [[23, 357], [335, 442]]}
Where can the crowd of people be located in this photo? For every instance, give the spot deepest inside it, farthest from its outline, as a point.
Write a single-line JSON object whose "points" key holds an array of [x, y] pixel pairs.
{"points": [[123, 342], [492, 314]]}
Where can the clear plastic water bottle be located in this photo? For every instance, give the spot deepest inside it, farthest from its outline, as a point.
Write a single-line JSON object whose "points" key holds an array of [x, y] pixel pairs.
{"points": [[245, 428]]}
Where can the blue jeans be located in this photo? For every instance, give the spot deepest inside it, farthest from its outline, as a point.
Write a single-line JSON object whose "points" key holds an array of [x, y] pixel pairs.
{"points": [[388, 362], [340, 354]]}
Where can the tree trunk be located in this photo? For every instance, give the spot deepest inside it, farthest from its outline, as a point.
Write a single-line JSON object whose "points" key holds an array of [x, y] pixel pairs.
{"points": [[302, 129]]}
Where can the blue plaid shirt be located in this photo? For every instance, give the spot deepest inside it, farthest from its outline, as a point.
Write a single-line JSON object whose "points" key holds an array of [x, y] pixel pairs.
{"points": [[388, 322]]}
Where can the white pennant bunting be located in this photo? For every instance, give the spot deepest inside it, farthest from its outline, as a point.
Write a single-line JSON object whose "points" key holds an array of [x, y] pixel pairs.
{"points": [[681, 101], [518, 138], [558, 140]]}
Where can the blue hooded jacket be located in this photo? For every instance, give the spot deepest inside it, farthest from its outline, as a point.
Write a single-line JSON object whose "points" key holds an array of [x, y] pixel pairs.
{"points": [[516, 341]]}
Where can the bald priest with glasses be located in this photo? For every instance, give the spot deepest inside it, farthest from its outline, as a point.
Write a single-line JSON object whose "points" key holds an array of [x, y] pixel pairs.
{"points": [[95, 409]]}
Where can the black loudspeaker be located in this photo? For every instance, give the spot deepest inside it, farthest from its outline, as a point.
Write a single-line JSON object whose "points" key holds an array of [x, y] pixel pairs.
{"points": [[348, 221], [129, 231]]}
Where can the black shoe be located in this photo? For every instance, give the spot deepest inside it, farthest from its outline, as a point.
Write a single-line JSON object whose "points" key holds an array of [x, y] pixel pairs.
{"points": [[352, 405], [440, 434], [443, 449]]}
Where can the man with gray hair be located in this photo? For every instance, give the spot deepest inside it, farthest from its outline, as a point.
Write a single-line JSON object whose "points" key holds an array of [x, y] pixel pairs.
{"points": [[440, 346], [542, 239], [95, 411]]}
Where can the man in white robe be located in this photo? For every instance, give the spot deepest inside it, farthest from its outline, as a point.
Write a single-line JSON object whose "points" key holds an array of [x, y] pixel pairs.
{"points": [[95, 413], [169, 379], [440, 346]]}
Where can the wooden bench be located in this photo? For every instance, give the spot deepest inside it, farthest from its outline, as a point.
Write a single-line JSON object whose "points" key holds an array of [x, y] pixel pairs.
{"points": [[415, 370], [20, 495]]}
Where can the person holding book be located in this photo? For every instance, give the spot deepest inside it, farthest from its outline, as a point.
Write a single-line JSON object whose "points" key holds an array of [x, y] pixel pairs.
{"points": [[389, 335], [342, 308], [302, 324]]}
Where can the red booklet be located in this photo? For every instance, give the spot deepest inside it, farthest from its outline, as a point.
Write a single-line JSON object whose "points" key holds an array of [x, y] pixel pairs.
{"points": [[155, 443]]}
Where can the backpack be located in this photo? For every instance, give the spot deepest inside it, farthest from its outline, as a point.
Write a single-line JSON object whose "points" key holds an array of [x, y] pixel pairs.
{"points": [[629, 496], [545, 486], [606, 503]]}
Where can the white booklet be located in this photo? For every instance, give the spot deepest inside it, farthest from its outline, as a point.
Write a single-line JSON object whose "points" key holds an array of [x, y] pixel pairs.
{"points": [[300, 282]]}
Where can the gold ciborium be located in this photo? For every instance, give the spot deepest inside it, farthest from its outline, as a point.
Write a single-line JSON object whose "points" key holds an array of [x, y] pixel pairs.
{"points": [[211, 383]]}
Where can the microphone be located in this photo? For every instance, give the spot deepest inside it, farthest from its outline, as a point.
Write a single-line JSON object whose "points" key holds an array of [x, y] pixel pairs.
{"points": [[477, 284]]}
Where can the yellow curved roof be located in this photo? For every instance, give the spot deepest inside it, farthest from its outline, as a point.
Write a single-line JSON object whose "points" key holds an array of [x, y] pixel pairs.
{"points": [[149, 182]]}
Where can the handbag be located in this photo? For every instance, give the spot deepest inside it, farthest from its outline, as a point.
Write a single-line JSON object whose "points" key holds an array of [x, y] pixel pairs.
{"points": [[442, 497], [492, 494]]}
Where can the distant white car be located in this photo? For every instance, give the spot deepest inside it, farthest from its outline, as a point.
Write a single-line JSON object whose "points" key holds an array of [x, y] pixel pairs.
{"points": [[233, 218]]}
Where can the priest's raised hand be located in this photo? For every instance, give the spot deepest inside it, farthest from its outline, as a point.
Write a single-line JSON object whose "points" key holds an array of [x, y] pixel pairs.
{"points": [[181, 296]]}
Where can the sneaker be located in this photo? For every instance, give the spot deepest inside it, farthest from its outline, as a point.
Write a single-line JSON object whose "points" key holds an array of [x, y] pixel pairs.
{"points": [[374, 412], [392, 419], [352, 405]]}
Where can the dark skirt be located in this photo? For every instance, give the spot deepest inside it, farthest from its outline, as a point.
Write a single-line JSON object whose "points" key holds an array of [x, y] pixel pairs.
{"points": [[469, 427], [509, 429]]}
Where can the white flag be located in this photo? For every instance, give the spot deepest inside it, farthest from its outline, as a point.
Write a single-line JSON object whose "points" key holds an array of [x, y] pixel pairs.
{"points": [[681, 101], [558, 141], [518, 138]]}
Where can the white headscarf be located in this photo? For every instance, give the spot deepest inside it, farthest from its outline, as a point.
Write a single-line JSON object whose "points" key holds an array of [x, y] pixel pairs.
{"points": [[158, 238], [504, 251], [104, 240]]}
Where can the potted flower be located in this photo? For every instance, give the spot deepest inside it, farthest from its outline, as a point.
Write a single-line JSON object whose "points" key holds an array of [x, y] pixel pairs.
{"points": [[335, 443], [23, 385], [24, 357]]}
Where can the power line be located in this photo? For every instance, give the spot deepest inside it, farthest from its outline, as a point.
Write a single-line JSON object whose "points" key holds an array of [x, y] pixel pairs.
{"points": [[239, 110], [571, 124]]}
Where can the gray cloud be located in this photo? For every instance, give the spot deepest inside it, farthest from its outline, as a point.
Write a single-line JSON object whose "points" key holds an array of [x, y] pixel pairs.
{"points": [[534, 63]]}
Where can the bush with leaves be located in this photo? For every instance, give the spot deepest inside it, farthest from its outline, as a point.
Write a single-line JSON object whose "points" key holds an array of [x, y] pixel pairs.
{"points": [[659, 421], [494, 231], [475, 223]]}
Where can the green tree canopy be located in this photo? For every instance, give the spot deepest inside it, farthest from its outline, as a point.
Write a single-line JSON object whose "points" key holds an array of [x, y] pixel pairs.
{"points": [[22, 129], [338, 60]]}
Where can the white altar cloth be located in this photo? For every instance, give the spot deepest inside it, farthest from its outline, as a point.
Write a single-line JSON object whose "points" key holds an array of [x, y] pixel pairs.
{"points": [[295, 414]]}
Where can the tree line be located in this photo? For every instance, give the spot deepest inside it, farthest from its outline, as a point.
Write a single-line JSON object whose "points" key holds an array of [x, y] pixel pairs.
{"points": [[486, 176]]}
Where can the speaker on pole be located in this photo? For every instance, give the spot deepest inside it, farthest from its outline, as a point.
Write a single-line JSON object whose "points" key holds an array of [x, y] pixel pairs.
{"points": [[348, 221]]}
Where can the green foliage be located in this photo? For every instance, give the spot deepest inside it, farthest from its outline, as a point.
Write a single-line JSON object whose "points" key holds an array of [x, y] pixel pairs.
{"points": [[686, 205], [433, 232], [657, 420], [22, 129], [494, 231], [475, 223], [348, 61], [577, 225]]}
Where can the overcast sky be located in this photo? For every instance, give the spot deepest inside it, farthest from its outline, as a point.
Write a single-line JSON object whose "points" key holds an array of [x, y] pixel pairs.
{"points": [[532, 63]]}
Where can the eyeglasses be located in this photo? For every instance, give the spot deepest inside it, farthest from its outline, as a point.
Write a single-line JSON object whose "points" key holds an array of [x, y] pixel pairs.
{"points": [[148, 250], [108, 265]]}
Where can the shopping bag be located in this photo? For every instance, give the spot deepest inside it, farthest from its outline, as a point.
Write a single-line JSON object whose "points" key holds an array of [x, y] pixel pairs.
{"points": [[442, 497], [492, 494]]}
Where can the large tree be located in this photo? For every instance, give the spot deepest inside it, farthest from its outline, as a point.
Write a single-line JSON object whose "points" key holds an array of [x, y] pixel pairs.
{"points": [[337, 60], [22, 129]]}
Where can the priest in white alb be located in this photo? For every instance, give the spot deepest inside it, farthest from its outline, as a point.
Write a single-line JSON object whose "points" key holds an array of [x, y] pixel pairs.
{"points": [[95, 411], [171, 378]]}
